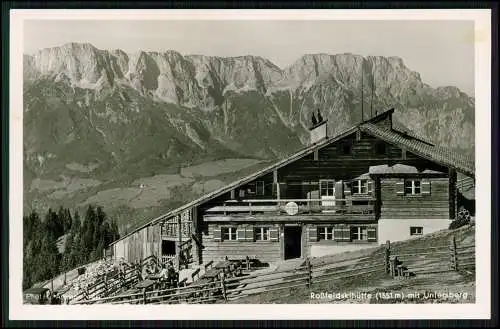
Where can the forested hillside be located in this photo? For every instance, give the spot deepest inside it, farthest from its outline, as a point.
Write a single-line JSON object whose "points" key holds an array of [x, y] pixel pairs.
{"points": [[84, 241]]}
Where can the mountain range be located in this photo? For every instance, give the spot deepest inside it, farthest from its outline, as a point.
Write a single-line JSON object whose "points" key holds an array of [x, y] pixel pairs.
{"points": [[140, 133]]}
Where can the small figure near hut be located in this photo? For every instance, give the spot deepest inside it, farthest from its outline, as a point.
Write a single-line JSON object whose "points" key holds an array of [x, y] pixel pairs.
{"points": [[144, 273], [164, 275], [314, 121], [320, 118], [172, 275]]}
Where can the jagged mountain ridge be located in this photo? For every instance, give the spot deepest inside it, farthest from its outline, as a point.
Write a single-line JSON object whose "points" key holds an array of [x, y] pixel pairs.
{"points": [[148, 112], [202, 82]]}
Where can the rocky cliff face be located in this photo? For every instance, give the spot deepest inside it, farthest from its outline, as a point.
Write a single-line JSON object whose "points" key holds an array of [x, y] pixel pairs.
{"points": [[143, 113]]}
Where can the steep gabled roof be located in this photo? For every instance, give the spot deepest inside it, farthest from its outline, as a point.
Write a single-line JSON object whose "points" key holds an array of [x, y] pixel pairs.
{"points": [[419, 147], [440, 155]]}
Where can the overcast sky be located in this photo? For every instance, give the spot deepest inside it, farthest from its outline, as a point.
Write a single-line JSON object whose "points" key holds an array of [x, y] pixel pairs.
{"points": [[441, 51]]}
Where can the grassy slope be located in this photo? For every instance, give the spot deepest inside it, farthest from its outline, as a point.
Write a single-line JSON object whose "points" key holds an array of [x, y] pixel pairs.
{"points": [[463, 282]]}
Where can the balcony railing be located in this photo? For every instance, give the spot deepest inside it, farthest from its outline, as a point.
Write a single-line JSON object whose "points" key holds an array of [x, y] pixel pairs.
{"points": [[355, 205], [166, 258]]}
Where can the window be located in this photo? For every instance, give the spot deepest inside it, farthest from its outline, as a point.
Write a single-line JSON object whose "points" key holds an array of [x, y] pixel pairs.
{"points": [[260, 187], [327, 187], [325, 233], [261, 233], [360, 186], [228, 233], [416, 230], [412, 187], [380, 148], [346, 148], [256, 188], [359, 233]]}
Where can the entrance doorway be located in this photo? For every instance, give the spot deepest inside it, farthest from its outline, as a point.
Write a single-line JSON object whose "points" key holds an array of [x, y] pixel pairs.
{"points": [[293, 242]]}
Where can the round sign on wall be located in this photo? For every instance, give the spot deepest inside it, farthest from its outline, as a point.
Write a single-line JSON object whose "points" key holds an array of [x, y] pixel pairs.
{"points": [[291, 208]]}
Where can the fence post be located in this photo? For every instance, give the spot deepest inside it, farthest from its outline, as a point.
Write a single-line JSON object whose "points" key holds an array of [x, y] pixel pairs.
{"points": [[105, 284], [309, 272], [223, 284], [144, 295], [393, 261], [248, 263], [454, 258], [387, 257]]}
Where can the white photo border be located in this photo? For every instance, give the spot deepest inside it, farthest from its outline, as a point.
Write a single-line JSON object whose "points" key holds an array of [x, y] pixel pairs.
{"points": [[479, 310]]}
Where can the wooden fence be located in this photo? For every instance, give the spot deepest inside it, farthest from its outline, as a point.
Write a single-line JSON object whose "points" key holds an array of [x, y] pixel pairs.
{"points": [[386, 260], [428, 260], [109, 284]]}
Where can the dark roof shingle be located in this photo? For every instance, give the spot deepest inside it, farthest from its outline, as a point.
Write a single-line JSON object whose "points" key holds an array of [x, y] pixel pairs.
{"points": [[437, 154]]}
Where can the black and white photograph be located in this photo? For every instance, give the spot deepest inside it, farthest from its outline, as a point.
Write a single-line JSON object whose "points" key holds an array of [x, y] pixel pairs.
{"points": [[304, 163]]}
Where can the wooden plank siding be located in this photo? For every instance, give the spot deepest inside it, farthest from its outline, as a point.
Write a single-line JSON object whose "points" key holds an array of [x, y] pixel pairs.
{"points": [[360, 148], [344, 243], [265, 251], [332, 163], [141, 244], [432, 205]]}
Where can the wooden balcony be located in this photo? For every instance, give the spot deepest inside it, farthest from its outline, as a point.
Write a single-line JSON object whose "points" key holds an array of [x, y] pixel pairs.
{"points": [[361, 208]]}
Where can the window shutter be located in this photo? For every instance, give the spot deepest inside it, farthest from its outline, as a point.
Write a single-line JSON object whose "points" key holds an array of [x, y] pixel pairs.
{"points": [[400, 187], [313, 233], [338, 233], [273, 234], [240, 234], [426, 187], [346, 233], [217, 234], [249, 236], [371, 233], [370, 186], [347, 189], [282, 190], [339, 190]]}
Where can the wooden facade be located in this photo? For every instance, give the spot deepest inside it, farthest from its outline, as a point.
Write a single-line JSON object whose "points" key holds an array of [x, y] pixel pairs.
{"points": [[139, 245], [154, 239], [431, 202], [338, 195], [220, 241]]}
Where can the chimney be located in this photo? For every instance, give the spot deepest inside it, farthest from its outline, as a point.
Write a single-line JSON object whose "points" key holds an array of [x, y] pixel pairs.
{"points": [[318, 132]]}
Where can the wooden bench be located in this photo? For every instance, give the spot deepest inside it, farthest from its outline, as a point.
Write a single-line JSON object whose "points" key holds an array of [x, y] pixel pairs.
{"points": [[402, 272], [249, 261], [211, 275]]}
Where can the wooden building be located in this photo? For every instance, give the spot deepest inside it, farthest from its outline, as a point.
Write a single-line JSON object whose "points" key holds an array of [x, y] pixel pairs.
{"points": [[366, 185]]}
